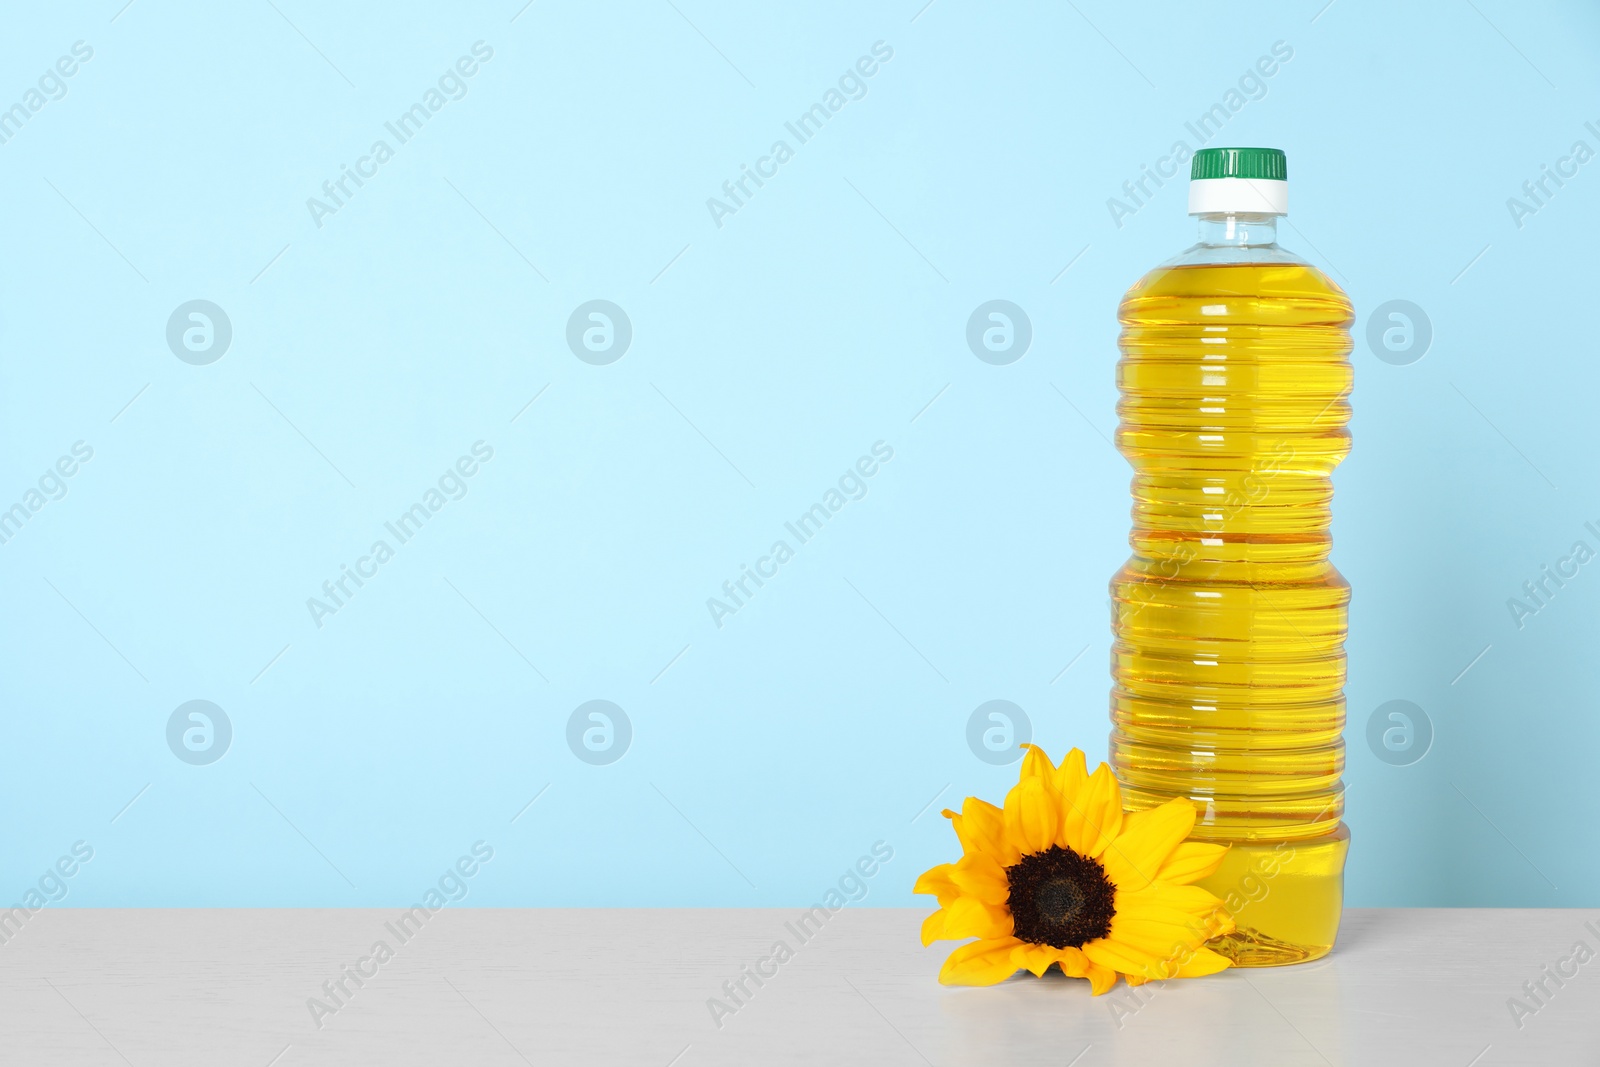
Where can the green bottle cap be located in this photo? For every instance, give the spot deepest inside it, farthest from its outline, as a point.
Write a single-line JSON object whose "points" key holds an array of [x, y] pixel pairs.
{"points": [[1259, 163]]}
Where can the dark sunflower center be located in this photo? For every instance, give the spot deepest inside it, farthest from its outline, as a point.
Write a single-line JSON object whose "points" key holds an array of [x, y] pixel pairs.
{"points": [[1060, 899]]}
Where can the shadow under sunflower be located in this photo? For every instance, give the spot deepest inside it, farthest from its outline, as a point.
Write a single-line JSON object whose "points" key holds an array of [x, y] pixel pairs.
{"points": [[1062, 877]]}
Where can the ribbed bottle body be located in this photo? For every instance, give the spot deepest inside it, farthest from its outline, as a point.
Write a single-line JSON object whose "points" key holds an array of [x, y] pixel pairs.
{"points": [[1228, 621]]}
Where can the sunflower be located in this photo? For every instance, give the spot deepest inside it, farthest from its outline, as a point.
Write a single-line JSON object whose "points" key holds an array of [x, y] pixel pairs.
{"points": [[1061, 876]]}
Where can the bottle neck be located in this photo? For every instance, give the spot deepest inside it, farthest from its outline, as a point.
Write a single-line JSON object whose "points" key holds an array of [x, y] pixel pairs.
{"points": [[1238, 230]]}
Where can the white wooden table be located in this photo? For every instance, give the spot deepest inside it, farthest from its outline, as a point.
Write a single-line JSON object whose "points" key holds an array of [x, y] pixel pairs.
{"points": [[480, 986]]}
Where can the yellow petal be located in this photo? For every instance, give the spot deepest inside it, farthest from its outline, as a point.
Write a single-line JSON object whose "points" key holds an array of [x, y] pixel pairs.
{"points": [[986, 823], [1193, 927], [980, 963], [1204, 962], [1035, 958], [1191, 899], [1036, 764], [1069, 780], [1192, 861], [1167, 943], [1120, 957], [937, 881], [1031, 816], [1155, 950], [979, 875], [970, 917], [1092, 813], [1074, 963], [933, 928], [1159, 917], [1134, 859], [1101, 979], [981, 828]]}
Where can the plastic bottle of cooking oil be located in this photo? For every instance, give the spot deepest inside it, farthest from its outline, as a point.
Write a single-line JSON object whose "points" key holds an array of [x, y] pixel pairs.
{"points": [[1229, 622]]}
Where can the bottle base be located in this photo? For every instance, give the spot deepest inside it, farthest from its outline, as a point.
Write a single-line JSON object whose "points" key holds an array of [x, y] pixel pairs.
{"points": [[1285, 898], [1248, 947]]}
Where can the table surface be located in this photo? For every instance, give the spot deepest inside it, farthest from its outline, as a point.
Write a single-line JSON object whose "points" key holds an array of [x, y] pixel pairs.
{"points": [[488, 986]]}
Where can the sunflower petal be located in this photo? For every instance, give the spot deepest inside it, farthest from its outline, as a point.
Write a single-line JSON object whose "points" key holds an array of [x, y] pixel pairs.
{"points": [[1036, 764], [1192, 899], [1166, 943], [933, 928], [1091, 812], [980, 962], [1031, 816], [1069, 781], [970, 917], [1120, 957], [987, 823], [1176, 922], [1182, 911], [981, 828], [1153, 949], [1192, 861], [979, 875], [1035, 958], [1074, 963], [1134, 859], [1204, 962], [1101, 979], [937, 882]]}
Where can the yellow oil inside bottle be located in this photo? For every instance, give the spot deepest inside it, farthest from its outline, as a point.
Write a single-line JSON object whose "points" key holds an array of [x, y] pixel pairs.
{"points": [[1228, 621]]}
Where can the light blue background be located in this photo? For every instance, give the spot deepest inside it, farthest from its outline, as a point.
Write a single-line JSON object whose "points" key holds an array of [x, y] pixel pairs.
{"points": [[823, 317]]}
